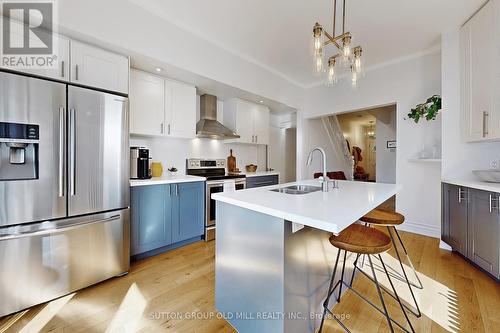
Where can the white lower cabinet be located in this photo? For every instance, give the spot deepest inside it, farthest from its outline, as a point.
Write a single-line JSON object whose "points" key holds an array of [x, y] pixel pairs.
{"points": [[249, 120], [95, 67], [161, 107]]}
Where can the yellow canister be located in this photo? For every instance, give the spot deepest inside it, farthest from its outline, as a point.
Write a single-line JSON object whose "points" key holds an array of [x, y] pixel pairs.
{"points": [[156, 169]]}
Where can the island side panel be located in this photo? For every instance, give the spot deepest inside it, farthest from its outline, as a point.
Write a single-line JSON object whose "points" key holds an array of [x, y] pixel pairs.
{"points": [[309, 260], [249, 269]]}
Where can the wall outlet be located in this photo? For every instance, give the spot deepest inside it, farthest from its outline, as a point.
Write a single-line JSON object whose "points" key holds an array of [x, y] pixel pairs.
{"points": [[494, 164]]}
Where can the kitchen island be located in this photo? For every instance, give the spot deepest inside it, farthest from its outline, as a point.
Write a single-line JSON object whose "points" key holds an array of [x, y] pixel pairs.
{"points": [[273, 257]]}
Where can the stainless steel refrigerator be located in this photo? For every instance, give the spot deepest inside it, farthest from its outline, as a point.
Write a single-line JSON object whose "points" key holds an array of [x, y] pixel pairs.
{"points": [[64, 192]]}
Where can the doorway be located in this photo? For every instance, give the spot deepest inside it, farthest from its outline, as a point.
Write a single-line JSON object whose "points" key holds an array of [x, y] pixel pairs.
{"points": [[371, 138]]}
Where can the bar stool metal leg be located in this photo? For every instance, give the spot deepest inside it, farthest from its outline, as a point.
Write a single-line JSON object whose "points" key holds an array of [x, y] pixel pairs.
{"points": [[395, 293], [420, 286], [342, 277], [325, 303], [383, 311], [417, 313], [380, 295]]}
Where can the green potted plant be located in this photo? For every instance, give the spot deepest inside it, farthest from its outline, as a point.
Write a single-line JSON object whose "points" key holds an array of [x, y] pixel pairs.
{"points": [[428, 110]]}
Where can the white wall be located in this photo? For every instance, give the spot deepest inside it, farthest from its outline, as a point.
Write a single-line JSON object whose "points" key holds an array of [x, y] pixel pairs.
{"points": [[459, 158], [386, 157], [405, 84], [173, 152]]}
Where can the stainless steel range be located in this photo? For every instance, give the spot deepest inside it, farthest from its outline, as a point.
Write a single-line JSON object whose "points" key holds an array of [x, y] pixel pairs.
{"points": [[215, 172]]}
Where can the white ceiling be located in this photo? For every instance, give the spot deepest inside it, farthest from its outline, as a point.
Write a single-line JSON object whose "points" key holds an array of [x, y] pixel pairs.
{"points": [[277, 33]]}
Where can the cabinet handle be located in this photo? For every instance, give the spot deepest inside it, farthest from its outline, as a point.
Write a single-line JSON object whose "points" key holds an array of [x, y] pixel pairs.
{"points": [[460, 192], [76, 72], [486, 115], [256, 139], [161, 126], [62, 68], [492, 200], [168, 129], [253, 138]]}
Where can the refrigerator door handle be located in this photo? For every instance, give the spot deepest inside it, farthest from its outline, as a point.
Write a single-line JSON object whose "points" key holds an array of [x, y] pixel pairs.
{"points": [[72, 150], [59, 230], [62, 134]]}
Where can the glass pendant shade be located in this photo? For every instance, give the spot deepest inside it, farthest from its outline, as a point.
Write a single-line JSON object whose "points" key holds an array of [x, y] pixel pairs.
{"points": [[346, 47], [357, 64], [317, 33], [357, 59], [332, 75], [354, 77], [318, 62]]}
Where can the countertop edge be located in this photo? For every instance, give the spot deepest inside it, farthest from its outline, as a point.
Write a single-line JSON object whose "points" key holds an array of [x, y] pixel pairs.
{"points": [[261, 174], [475, 184], [301, 219], [163, 181]]}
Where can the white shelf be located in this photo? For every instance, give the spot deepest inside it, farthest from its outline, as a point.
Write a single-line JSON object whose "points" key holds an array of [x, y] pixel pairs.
{"points": [[425, 160]]}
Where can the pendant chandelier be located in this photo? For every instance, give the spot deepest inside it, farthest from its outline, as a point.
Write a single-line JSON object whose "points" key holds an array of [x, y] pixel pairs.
{"points": [[347, 56]]}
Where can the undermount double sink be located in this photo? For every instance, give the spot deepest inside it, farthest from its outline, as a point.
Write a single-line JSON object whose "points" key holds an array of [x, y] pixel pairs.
{"points": [[297, 189]]}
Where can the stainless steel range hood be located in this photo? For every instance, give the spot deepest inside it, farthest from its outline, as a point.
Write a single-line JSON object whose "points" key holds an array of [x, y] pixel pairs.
{"points": [[208, 126]]}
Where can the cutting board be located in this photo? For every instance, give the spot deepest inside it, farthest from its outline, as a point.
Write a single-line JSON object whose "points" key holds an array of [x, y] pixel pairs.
{"points": [[231, 162]]}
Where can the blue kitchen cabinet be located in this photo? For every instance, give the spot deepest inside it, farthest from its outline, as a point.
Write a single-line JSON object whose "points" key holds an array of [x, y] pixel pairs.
{"points": [[188, 211], [151, 225], [166, 216]]}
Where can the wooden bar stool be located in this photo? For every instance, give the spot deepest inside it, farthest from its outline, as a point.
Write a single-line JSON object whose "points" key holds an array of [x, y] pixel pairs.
{"points": [[361, 239], [390, 220]]}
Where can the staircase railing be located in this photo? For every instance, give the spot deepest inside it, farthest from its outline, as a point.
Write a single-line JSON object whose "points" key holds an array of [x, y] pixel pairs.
{"points": [[339, 144]]}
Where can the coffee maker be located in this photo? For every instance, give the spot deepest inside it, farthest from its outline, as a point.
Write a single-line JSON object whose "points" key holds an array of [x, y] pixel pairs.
{"points": [[139, 163]]}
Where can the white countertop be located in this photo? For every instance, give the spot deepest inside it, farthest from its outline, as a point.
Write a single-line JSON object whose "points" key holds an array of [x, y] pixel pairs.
{"points": [[477, 184], [166, 180], [261, 173], [331, 211]]}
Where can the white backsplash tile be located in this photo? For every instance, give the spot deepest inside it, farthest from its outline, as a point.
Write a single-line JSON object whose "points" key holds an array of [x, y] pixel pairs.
{"points": [[173, 152]]}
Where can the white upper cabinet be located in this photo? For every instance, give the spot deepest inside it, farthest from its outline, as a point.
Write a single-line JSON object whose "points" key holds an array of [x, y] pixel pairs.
{"points": [[95, 67], [180, 109], [147, 104], [261, 124], [249, 120], [479, 75], [61, 51], [161, 107]]}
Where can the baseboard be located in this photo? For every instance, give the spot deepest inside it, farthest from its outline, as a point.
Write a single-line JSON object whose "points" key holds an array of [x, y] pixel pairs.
{"points": [[421, 229], [444, 246]]}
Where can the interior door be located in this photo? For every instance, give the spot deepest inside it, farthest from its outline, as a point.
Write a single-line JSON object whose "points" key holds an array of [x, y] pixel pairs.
{"points": [[98, 151], [25, 100]]}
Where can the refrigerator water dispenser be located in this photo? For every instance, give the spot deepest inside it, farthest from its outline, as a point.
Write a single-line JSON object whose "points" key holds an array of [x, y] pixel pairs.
{"points": [[18, 151]]}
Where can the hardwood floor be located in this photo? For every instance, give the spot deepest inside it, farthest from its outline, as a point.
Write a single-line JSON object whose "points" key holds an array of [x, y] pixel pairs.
{"points": [[456, 297]]}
